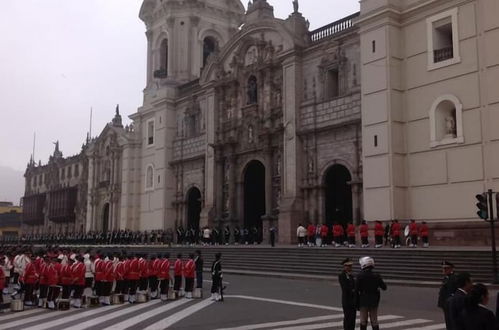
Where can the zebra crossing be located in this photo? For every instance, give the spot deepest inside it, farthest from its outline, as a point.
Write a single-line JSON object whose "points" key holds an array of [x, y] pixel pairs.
{"points": [[156, 315]]}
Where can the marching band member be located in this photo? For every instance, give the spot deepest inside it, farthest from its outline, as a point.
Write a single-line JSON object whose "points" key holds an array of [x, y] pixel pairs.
{"points": [[216, 277], [379, 232], [119, 274], [133, 276], [66, 278], [351, 235], [189, 275], [337, 234], [395, 232], [324, 232], [199, 270], [107, 280], [154, 266], [100, 266], [7, 266], [364, 234], [53, 278], [144, 275], [424, 233], [29, 277], [2, 277], [413, 232], [78, 270], [311, 234], [178, 269], [43, 281], [164, 277]]}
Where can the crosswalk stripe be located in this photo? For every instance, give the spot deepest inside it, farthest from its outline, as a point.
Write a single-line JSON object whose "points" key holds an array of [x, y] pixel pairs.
{"points": [[283, 323], [32, 319], [106, 317], [286, 302], [141, 317], [165, 323], [430, 327], [74, 317], [19, 314], [404, 323], [332, 324]]}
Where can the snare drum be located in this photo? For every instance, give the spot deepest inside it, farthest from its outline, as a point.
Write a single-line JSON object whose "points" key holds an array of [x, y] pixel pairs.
{"points": [[16, 305], [142, 297], [117, 299], [63, 305], [197, 293]]}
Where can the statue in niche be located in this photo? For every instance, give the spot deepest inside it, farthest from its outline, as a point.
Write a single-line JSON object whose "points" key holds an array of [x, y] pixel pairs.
{"points": [[250, 134], [278, 165], [450, 125], [252, 90], [310, 165], [227, 171]]}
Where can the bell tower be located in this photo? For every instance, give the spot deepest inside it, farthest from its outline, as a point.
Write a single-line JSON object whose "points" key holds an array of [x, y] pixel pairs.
{"points": [[183, 34]]}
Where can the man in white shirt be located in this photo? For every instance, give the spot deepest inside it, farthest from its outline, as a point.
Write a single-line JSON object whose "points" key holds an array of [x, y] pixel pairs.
{"points": [[301, 233]]}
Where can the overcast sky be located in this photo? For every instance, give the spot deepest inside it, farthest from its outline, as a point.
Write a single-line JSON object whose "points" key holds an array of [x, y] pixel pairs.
{"points": [[59, 58]]}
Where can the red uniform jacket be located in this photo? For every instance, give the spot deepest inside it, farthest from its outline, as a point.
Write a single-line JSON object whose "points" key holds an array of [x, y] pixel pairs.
{"points": [[52, 272], [379, 230], [311, 230], [395, 229], [133, 270], [190, 269], [108, 271], [351, 230], [144, 271], [30, 274], [43, 273], [66, 275], [364, 230], [154, 267], [2, 279], [324, 230], [423, 229], [99, 269], [178, 267], [413, 228], [337, 230], [119, 271], [164, 269], [78, 272], [38, 263]]}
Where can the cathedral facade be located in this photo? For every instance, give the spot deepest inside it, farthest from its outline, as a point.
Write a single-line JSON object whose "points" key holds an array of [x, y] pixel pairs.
{"points": [[253, 121]]}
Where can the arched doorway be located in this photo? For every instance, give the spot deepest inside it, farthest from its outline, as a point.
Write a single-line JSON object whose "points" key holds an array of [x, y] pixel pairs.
{"points": [[193, 208], [254, 196], [338, 197], [105, 218]]}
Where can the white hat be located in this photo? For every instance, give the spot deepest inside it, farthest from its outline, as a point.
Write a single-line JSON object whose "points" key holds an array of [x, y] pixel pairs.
{"points": [[366, 262]]}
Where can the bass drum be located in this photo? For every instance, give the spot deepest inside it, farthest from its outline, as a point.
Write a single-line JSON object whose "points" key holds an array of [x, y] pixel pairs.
{"points": [[407, 231]]}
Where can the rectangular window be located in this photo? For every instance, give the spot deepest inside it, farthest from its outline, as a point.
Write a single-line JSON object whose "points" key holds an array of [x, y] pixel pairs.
{"points": [[332, 84], [69, 171], [63, 176], [77, 170], [375, 140], [150, 132], [443, 39]]}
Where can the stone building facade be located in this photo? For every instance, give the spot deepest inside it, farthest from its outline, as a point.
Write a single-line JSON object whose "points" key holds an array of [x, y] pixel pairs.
{"points": [[253, 121]]}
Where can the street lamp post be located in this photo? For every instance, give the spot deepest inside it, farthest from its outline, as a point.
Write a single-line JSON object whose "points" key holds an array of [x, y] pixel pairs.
{"points": [[491, 220]]}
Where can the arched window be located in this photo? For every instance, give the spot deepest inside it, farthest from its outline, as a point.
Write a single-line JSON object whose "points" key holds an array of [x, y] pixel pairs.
{"points": [[252, 90], [162, 68], [149, 178], [209, 47], [446, 121]]}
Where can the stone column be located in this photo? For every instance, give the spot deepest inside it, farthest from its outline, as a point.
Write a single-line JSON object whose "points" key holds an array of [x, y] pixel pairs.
{"points": [[149, 57], [267, 218]]}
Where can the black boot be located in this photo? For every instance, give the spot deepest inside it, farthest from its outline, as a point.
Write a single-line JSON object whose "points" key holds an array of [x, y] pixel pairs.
{"points": [[375, 327], [363, 327]]}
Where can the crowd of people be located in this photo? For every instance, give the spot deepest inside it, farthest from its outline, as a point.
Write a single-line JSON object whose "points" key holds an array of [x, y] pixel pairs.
{"points": [[339, 235], [60, 278]]}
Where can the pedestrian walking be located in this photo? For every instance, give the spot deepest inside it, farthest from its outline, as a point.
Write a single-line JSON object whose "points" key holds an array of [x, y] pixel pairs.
{"points": [[447, 289], [367, 288], [457, 301], [216, 278], [476, 316], [348, 297]]}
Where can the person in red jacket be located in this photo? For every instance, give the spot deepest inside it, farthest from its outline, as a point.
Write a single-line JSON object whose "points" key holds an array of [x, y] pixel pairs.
{"points": [[413, 232], [119, 274], [153, 271], [379, 232], [144, 274], [30, 279], [107, 280], [164, 276], [100, 265], [424, 233], [337, 234], [351, 235], [324, 232], [78, 271], [190, 275], [53, 274], [311, 234], [43, 281], [133, 276], [178, 269], [66, 279], [364, 234], [395, 232]]}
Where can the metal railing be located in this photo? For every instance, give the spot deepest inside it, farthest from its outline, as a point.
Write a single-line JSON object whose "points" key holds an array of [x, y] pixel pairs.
{"points": [[440, 55], [333, 28]]}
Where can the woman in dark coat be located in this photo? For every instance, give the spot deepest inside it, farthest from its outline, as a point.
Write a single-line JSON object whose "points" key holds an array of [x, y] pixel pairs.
{"points": [[476, 316], [367, 288]]}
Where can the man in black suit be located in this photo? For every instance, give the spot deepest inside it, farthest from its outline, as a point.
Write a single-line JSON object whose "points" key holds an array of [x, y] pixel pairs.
{"points": [[447, 289], [348, 300], [456, 302]]}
